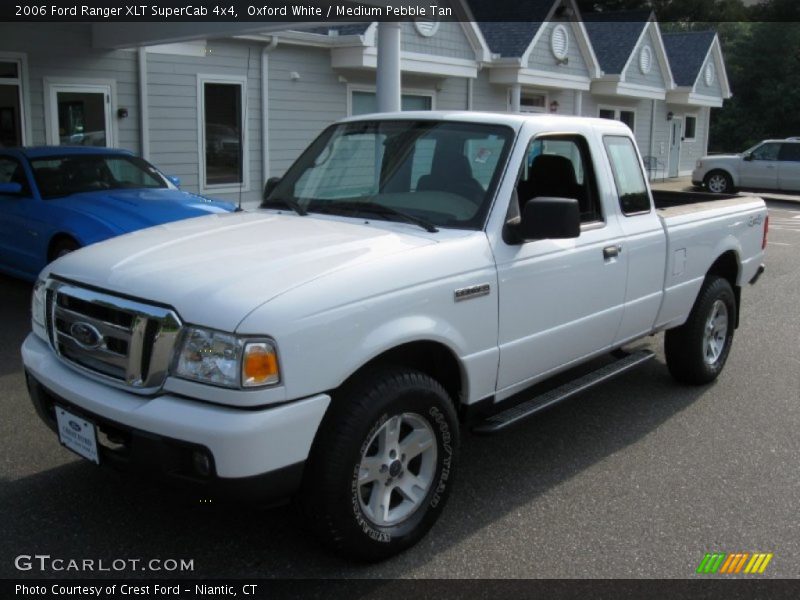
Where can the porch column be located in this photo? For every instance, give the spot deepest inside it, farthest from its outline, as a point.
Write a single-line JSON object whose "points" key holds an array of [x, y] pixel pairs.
{"points": [[516, 97], [578, 103], [388, 76]]}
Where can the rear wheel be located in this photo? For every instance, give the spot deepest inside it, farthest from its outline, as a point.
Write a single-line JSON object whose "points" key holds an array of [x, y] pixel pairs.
{"points": [[696, 352], [718, 182], [381, 469]]}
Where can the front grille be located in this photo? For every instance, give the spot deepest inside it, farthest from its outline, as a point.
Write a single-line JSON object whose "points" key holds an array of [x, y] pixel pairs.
{"points": [[123, 341]]}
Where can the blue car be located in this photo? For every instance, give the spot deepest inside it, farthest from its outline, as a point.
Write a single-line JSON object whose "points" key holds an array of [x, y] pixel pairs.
{"points": [[54, 200]]}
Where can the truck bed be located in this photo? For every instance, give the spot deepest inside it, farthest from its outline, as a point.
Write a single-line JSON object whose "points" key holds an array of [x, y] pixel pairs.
{"points": [[673, 204]]}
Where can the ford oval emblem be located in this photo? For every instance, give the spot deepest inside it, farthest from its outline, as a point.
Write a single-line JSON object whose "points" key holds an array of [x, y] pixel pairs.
{"points": [[86, 335], [74, 426]]}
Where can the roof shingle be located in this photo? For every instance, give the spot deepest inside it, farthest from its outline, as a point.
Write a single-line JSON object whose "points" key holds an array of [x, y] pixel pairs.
{"points": [[686, 52]]}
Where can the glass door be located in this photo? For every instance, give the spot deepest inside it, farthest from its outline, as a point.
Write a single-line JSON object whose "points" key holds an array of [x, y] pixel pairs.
{"points": [[80, 115]]}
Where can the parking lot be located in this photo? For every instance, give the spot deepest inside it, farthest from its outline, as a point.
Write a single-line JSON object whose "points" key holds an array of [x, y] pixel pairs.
{"points": [[638, 478]]}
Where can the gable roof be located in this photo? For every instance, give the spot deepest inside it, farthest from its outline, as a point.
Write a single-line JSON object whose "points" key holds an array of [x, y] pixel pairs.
{"points": [[614, 36], [510, 38], [687, 52]]}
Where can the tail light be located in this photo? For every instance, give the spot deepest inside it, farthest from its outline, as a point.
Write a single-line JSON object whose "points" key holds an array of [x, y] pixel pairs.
{"points": [[766, 230]]}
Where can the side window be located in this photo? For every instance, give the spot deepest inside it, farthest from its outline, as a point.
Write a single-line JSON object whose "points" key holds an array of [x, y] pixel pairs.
{"points": [[790, 153], [766, 151], [560, 166], [631, 186], [11, 171]]}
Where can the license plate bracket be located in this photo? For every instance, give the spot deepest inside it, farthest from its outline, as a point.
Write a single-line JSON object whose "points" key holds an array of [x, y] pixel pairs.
{"points": [[78, 434]]}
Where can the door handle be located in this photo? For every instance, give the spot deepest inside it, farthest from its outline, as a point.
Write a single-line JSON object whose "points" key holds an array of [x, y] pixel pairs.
{"points": [[610, 252]]}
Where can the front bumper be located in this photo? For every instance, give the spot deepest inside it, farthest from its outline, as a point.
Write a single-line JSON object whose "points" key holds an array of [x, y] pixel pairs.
{"points": [[260, 451]]}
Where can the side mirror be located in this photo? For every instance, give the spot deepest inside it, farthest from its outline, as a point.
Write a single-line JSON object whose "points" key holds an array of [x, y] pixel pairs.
{"points": [[747, 157], [176, 181], [547, 218], [271, 184], [10, 188]]}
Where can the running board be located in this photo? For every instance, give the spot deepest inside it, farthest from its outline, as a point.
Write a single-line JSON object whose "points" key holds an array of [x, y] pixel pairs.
{"points": [[536, 404]]}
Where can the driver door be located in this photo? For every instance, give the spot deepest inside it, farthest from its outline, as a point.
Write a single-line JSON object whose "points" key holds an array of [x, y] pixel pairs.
{"points": [[560, 300], [761, 171]]}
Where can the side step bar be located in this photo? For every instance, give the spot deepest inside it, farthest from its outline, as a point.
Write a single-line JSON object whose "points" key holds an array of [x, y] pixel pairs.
{"points": [[536, 404]]}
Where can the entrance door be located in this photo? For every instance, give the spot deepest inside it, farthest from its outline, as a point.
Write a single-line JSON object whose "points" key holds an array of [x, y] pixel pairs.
{"points": [[676, 133], [80, 115]]}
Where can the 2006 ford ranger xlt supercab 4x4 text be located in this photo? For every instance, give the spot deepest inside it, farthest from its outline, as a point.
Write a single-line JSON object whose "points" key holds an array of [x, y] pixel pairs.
{"points": [[411, 274]]}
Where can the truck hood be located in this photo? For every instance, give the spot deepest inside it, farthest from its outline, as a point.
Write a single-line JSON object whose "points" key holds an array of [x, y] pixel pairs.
{"points": [[129, 210], [216, 269]]}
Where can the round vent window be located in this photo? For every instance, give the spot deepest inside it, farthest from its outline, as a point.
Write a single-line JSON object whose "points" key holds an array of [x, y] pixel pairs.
{"points": [[646, 60], [710, 73], [559, 42], [426, 28]]}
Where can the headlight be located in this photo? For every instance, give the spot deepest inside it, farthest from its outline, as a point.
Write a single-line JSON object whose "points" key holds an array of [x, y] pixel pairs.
{"points": [[38, 308], [227, 360]]}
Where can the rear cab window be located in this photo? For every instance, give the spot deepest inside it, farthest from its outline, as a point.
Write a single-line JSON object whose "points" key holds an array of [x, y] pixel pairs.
{"points": [[634, 198]]}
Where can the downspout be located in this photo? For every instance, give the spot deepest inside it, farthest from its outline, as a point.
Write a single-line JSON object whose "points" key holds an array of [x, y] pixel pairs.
{"points": [[144, 113], [578, 103], [469, 93], [265, 51], [652, 128]]}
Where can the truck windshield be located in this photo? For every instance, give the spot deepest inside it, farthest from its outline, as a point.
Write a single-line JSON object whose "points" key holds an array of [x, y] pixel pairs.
{"points": [[74, 174], [440, 173]]}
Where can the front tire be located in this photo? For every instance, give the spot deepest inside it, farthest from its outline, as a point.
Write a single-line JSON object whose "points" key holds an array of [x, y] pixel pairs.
{"points": [[718, 182], [381, 468], [697, 351]]}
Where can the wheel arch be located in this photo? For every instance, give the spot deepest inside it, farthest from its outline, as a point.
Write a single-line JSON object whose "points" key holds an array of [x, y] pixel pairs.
{"points": [[55, 239], [728, 266], [431, 357]]}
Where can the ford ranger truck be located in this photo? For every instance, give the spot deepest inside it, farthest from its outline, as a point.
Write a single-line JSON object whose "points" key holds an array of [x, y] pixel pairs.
{"points": [[410, 275]]}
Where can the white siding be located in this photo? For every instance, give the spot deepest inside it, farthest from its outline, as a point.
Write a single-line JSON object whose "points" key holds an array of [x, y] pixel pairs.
{"points": [[299, 110], [633, 74], [173, 108], [64, 50], [542, 59], [449, 41]]}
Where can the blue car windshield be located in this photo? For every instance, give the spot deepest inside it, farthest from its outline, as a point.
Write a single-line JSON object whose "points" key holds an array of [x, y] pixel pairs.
{"points": [[58, 176]]}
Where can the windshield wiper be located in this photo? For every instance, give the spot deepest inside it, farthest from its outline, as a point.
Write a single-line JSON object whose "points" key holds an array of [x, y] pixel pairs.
{"points": [[353, 208], [286, 202]]}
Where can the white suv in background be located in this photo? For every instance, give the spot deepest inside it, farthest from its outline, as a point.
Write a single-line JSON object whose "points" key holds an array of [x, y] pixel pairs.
{"points": [[769, 165]]}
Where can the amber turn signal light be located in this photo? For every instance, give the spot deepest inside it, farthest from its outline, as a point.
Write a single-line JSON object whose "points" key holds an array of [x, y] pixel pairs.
{"points": [[260, 365]]}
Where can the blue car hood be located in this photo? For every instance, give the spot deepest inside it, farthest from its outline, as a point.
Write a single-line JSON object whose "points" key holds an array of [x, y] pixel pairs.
{"points": [[130, 210]]}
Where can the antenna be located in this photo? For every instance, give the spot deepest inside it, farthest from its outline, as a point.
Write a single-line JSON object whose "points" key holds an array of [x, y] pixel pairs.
{"points": [[244, 131]]}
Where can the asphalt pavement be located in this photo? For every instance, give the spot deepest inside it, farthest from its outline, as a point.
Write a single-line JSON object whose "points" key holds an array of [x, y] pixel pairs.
{"points": [[637, 478]]}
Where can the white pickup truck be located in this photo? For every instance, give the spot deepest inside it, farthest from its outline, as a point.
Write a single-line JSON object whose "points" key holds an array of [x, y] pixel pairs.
{"points": [[410, 275]]}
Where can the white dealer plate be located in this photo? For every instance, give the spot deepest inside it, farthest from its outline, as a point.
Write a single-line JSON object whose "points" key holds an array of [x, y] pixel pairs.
{"points": [[77, 434]]}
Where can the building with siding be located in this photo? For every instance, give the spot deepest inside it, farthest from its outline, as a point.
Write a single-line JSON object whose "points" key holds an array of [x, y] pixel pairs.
{"points": [[225, 114]]}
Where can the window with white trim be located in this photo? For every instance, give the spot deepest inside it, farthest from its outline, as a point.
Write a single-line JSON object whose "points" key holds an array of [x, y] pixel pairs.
{"points": [[532, 102], [689, 128], [10, 103], [363, 102], [619, 114], [222, 132]]}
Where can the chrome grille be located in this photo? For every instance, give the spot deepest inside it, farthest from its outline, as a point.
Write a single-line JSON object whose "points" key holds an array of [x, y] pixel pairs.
{"points": [[122, 341]]}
